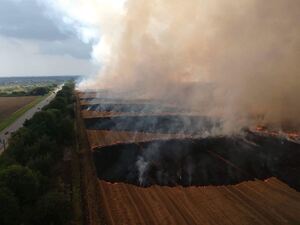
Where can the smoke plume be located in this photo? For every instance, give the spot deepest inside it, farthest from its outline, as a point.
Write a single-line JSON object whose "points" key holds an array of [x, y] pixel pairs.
{"points": [[237, 60]]}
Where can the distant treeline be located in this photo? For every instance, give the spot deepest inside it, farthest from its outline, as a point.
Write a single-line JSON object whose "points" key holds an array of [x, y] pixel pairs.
{"points": [[32, 188], [37, 91], [37, 80]]}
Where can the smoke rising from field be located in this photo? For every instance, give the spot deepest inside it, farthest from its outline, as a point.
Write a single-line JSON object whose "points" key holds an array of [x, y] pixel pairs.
{"points": [[238, 60]]}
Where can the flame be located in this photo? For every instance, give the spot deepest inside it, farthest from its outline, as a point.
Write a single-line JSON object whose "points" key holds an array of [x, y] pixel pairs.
{"points": [[292, 135]]}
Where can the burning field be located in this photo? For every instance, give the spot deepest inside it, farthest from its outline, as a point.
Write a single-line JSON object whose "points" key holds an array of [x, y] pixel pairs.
{"points": [[193, 116], [160, 164]]}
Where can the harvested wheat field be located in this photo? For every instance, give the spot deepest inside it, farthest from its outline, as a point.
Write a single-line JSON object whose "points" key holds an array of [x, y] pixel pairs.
{"points": [[9, 105]]}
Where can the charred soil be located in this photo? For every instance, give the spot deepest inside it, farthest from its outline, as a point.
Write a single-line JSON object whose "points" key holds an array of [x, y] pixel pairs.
{"points": [[209, 161]]}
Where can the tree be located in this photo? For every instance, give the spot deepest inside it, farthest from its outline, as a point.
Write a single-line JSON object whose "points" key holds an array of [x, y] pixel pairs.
{"points": [[42, 163], [9, 208], [45, 123], [66, 131], [57, 103], [19, 140], [21, 181], [53, 209], [39, 91]]}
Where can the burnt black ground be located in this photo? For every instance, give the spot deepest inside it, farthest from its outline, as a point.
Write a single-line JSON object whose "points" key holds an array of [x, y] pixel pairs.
{"points": [[130, 108], [209, 161], [154, 124]]}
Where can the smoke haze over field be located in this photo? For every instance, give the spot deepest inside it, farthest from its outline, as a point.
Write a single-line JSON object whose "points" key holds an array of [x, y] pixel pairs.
{"points": [[233, 59]]}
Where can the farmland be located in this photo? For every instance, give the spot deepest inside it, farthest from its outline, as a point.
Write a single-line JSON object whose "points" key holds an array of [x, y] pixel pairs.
{"points": [[143, 165], [9, 105], [19, 94]]}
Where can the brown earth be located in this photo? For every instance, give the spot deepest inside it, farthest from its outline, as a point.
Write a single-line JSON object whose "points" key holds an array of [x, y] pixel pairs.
{"points": [[101, 138], [268, 202], [94, 114], [8, 105]]}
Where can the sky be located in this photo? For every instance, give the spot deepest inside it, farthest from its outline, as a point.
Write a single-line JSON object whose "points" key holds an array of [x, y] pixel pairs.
{"points": [[38, 39]]}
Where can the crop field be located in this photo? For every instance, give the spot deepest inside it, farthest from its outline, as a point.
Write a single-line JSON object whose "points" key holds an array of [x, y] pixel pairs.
{"points": [[9, 105], [250, 202], [11, 108], [19, 94]]}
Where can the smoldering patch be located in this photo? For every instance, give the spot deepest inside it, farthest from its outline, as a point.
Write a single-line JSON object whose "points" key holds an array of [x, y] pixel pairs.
{"points": [[164, 124], [209, 161]]}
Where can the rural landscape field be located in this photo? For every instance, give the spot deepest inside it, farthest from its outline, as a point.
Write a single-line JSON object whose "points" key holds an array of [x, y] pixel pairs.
{"points": [[9, 105], [138, 112], [19, 94]]}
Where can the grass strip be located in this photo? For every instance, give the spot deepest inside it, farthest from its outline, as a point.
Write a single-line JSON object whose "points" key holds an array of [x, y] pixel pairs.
{"points": [[13, 117]]}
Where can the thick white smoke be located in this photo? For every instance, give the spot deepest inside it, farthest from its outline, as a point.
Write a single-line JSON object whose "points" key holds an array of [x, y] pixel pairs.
{"points": [[238, 60]]}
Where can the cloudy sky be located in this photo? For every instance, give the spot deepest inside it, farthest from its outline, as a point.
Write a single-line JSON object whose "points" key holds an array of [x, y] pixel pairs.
{"points": [[36, 40]]}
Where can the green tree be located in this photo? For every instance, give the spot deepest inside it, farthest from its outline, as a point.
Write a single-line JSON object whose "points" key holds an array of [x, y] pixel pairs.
{"points": [[57, 103], [23, 137], [22, 181], [42, 163], [53, 209], [39, 91], [66, 131], [9, 208]]}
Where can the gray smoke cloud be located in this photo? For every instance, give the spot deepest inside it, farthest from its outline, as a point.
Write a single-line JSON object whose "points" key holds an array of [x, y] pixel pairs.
{"points": [[237, 60]]}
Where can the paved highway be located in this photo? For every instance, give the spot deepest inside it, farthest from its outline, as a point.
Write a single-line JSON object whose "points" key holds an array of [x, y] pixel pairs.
{"points": [[6, 133]]}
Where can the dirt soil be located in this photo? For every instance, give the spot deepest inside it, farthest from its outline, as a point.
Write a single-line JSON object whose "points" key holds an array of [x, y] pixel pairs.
{"points": [[269, 202], [8, 105], [102, 138]]}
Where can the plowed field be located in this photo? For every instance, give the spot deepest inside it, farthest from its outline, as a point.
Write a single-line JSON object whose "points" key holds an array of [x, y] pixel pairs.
{"points": [[9, 105], [269, 202]]}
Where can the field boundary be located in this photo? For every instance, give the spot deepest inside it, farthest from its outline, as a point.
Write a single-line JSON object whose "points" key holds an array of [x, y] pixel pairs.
{"points": [[13, 117]]}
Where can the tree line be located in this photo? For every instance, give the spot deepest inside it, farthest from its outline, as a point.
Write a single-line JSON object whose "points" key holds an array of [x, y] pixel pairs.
{"points": [[32, 190], [36, 91]]}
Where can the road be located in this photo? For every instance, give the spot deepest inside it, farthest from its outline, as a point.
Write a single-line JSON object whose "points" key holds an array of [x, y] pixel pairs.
{"points": [[6, 133]]}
